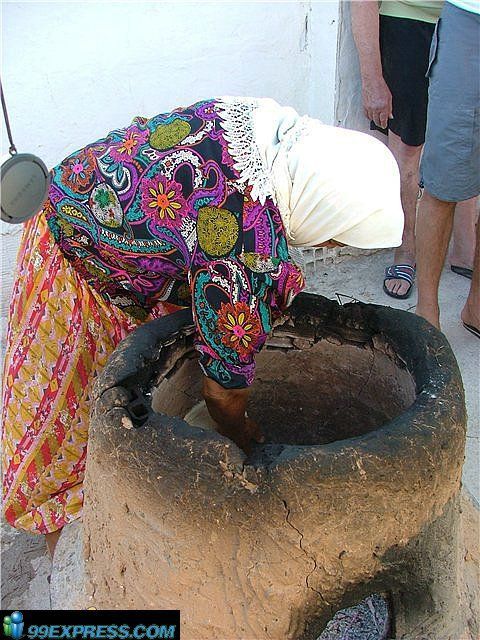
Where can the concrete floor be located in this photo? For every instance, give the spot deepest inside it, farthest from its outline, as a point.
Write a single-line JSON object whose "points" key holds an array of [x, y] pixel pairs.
{"points": [[25, 566]]}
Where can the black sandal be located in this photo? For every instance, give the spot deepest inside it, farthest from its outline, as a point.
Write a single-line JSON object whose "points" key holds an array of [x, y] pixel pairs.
{"points": [[472, 329], [462, 271], [400, 272]]}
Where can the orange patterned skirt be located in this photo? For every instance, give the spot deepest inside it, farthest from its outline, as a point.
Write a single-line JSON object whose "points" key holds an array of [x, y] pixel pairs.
{"points": [[60, 335]]}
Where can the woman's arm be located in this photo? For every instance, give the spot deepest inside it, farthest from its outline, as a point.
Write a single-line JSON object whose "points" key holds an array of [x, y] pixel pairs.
{"points": [[377, 99], [227, 407]]}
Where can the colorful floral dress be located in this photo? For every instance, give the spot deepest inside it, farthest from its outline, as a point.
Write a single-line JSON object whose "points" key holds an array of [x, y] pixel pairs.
{"points": [[159, 211], [150, 218]]}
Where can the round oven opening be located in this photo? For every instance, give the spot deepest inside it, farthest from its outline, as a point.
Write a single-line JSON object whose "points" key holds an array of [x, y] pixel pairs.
{"points": [[313, 394]]}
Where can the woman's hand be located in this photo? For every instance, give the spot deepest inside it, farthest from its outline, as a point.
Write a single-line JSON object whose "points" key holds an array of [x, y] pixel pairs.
{"points": [[227, 408], [243, 436], [254, 430], [251, 432]]}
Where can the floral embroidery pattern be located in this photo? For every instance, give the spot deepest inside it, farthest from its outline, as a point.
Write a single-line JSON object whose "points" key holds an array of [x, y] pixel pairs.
{"points": [[103, 198], [168, 135], [128, 148], [162, 198], [217, 230], [156, 212], [105, 206], [77, 171], [240, 329]]}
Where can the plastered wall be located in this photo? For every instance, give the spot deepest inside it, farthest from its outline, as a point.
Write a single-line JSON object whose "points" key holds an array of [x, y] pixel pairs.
{"points": [[72, 71]]}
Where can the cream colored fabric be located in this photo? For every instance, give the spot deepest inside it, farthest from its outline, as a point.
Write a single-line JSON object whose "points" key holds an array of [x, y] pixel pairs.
{"points": [[198, 416], [329, 183]]}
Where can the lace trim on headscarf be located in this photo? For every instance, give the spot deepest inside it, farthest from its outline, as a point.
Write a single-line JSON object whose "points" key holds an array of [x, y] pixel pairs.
{"points": [[237, 121]]}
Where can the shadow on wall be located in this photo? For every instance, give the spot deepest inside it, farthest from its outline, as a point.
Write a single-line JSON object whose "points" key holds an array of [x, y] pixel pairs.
{"points": [[348, 97]]}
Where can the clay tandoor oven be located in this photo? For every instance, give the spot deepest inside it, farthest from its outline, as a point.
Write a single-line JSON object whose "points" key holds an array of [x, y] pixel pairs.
{"points": [[364, 416]]}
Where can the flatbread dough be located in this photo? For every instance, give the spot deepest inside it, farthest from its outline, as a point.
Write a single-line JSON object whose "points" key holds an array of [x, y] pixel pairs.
{"points": [[198, 416]]}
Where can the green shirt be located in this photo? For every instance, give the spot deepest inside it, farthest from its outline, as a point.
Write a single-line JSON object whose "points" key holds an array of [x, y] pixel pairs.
{"points": [[413, 9]]}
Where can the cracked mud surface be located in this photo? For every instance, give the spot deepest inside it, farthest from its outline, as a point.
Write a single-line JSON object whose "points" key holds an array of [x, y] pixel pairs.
{"points": [[334, 506]]}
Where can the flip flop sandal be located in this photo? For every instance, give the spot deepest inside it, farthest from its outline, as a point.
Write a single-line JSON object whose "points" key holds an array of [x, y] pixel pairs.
{"points": [[399, 272], [472, 329], [462, 271]]}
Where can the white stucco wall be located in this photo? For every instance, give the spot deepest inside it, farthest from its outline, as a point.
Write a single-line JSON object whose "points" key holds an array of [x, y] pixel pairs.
{"points": [[322, 29], [72, 71], [348, 104]]}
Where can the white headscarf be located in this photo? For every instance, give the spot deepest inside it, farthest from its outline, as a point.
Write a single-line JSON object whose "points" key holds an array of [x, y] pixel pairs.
{"points": [[329, 183]]}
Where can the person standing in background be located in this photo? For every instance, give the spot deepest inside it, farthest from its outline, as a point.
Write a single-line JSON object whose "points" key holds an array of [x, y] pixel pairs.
{"points": [[450, 167], [393, 41]]}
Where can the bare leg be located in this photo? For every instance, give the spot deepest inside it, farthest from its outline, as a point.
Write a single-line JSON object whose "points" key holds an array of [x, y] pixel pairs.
{"points": [[51, 540], [434, 228], [407, 158], [463, 246], [471, 310]]}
